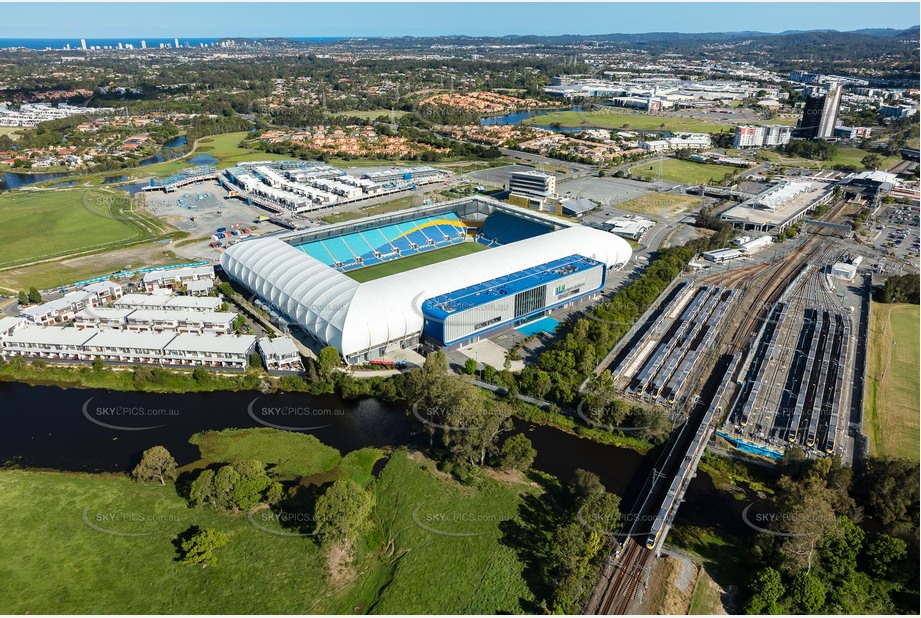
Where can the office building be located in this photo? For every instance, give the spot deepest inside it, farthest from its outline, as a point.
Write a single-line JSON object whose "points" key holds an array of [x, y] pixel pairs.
{"points": [[532, 188], [820, 115], [83, 44]]}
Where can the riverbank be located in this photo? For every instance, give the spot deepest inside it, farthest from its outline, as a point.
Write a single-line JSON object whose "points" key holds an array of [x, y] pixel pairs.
{"points": [[156, 380], [122, 534]]}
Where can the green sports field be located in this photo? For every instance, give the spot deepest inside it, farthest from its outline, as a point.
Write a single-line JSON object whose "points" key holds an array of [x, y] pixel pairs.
{"points": [[414, 261], [685, 172], [37, 225], [625, 120], [893, 391]]}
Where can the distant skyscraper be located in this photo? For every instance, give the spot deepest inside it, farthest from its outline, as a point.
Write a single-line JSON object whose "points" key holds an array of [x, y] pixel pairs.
{"points": [[120, 45], [83, 44], [176, 41], [143, 44], [820, 114]]}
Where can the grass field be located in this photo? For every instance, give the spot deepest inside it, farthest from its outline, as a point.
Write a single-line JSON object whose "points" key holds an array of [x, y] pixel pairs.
{"points": [[13, 132], [414, 261], [660, 204], [88, 564], [616, 120], [373, 114], [845, 156], [378, 209], [892, 397], [685, 172], [39, 225]]}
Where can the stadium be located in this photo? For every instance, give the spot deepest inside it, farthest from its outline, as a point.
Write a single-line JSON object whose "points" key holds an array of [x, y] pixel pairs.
{"points": [[446, 274]]}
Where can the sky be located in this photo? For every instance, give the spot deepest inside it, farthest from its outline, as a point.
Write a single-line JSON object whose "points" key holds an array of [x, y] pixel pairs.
{"points": [[249, 19]]}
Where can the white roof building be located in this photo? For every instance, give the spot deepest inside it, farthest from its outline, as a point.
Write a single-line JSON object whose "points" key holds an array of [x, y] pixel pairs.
{"points": [[359, 319], [9, 324]]}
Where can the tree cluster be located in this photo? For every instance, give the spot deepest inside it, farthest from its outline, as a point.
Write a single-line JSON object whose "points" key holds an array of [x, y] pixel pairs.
{"points": [[819, 559]]}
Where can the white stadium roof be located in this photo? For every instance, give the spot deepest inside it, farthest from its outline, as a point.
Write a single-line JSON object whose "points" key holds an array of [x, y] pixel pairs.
{"points": [[357, 317]]}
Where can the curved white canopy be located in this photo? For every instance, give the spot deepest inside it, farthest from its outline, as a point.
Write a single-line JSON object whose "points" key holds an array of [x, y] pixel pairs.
{"points": [[356, 317]]}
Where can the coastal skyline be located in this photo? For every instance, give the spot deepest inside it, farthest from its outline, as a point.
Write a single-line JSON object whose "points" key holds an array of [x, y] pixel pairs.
{"points": [[362, 19]]}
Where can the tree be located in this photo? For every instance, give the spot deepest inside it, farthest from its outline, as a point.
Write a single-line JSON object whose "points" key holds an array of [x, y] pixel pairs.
{"points": [[34, 295], [765, 590], [23, 298], [871, 162], [225, 479], [201, 491], [585, 483], [517, 453], [840, 548], [601, 511], [891, 486], [327, 360], [882, 552], [806, 515], [473, 426], [156, 464], [199, 548], [98, 364], [470, 366], [807, 592], [342, 512]]}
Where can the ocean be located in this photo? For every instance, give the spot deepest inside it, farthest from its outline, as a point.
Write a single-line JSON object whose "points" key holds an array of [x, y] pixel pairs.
{"points": [[152, 42]]}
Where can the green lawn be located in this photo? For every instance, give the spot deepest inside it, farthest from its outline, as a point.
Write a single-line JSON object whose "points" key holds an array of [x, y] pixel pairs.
{"points": [[852, 156], [617, 119], [660, 204], [414, 261], [13, 132], [378, 209], [37, 225], [685, 172], [65, 549], [893, 390], [373, 114], [289, 454], [846, 155]]}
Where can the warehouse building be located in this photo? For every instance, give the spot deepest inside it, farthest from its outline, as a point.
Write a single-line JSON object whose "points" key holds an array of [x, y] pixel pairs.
{"points": [[720, 256], [631, 227]]}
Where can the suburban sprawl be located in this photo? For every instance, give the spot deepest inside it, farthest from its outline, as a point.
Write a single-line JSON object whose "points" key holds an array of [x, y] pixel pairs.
{"points": [[615, 324]]}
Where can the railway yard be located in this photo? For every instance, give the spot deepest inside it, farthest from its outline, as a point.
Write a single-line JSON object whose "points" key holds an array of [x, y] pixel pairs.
{"points": [[766, 355], [658, 370], [794, 383]]}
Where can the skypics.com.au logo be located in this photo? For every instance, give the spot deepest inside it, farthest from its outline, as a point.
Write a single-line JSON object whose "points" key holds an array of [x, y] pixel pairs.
{"points": [[292, 418], [124, 417]]}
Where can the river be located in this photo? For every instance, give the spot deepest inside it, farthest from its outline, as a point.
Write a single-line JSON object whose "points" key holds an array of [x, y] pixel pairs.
{"points": [[105, 431], [15, 180], [518, 117]]}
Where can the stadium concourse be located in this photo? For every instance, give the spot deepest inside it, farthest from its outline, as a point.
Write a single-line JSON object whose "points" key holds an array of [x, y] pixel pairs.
{"points": [[429, 292]]}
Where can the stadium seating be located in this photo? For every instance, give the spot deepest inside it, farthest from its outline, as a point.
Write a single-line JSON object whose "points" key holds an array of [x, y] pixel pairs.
{"points": [[426, 234], [502, 228]]}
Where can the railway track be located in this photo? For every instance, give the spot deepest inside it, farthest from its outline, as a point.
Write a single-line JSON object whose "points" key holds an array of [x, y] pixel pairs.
{"points": [[627, 578]]}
